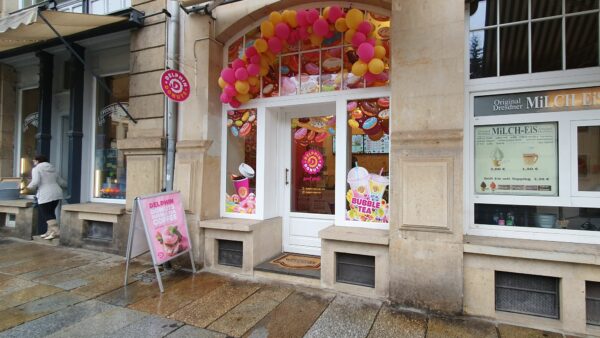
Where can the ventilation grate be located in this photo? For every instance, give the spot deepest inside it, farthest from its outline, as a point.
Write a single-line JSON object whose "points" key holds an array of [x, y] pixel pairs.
{"points": [[100, 231], [355, 269], [592, 302], [231, 253], [527, 294]]}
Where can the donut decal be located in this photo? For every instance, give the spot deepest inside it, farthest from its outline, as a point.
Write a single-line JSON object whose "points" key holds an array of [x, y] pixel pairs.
{"points": [[175, 85], [312, 162]]}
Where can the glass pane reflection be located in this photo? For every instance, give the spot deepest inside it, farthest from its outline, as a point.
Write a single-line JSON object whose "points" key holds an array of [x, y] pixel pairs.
{"points": [[588, 158], [482, 53]]}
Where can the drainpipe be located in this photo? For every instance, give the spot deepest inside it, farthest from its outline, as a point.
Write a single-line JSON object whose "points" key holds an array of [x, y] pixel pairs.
{"points": [[171, 113]]}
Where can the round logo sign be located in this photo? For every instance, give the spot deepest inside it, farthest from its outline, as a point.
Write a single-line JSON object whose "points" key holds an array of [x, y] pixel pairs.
{"points": [[312, 162], [175, 85]]}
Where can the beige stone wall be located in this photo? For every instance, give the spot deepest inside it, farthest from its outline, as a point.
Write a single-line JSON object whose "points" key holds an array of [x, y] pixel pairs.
{"points": [[8, 6], [8, 114], [426, 255]]}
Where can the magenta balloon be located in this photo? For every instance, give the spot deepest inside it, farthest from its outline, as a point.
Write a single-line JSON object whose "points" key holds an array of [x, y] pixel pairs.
{"points": [[251, 51], [335, 12], [364, 27], [282, 30], [358, 38], [228, 75], [329, 35], [241, 74], [225, 98], [321, 27], [370, 77], [234, 103], [253, 69], [365, 52], [230, 90], [293, 37], [303, 33], [238, 63], [371, 41], [312, 16], [301, 18], [383, 76], [255, 59], [275, 45]]}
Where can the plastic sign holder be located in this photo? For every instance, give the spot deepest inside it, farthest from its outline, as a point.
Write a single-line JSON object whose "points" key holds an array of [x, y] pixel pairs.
{"points": [[162, 218]]}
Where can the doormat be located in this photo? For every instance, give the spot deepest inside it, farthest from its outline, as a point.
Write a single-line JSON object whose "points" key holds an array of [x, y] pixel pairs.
{"points": [[297, 261]]}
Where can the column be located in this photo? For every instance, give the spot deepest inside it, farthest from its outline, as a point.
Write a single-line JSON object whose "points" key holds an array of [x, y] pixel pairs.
{"points": [[8, 117], [45, 111], [75, 133]]}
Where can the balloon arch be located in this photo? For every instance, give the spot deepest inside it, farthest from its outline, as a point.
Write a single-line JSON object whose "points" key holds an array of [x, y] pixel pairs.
{"points": [[239, 81]]}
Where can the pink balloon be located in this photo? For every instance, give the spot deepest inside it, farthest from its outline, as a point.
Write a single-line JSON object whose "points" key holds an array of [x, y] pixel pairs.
{"points": [[255, 59], [335, 12], [253, 69], [234, 103], [230, 91], [358, 38], [312, 16], [274, 45], [364, 27], [282, 30], [228, 75], [365, 52], [329, 35], [301, 18], [238, 63], [241, 74], [321, 27], [303, 33], [251, 51], [293, 37], [383, 76], [225, 98], [371, 41], [370, 77]]}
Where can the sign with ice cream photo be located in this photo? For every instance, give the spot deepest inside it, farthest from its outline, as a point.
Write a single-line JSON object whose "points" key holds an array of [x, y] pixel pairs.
{"points": [[366, 196]]}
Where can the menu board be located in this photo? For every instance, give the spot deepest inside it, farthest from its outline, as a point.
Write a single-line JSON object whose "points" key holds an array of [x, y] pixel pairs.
{"points": [[517, 159], [381, 146]]}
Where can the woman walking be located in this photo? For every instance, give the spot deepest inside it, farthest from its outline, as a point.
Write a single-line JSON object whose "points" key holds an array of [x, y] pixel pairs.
{"points": [[49, 193]]}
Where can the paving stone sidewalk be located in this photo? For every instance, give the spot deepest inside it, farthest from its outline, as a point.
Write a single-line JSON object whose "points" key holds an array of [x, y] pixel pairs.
{"points": [[48, 291]]}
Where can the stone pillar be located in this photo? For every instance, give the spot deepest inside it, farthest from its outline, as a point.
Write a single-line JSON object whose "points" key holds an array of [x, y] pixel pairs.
{"points": [[8, 116], [144, 146], [75, 133], [197, 161], [44, 134], [426, 229]]}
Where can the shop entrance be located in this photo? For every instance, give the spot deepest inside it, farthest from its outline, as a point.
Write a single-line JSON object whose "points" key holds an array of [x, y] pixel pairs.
{"points": [[307, 136]]}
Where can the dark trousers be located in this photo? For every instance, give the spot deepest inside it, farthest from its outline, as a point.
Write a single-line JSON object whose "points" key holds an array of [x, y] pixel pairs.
{"points": [[46, 212]]}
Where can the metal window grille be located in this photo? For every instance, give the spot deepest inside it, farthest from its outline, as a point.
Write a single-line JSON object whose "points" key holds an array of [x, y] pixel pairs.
{"points": [[527, 294], [100, 230], [231, 253], [592, 302], [355, 269]]}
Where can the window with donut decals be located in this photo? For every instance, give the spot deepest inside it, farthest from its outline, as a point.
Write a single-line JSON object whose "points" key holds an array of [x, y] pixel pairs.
{"points": [[367, 194], [240, 197]]}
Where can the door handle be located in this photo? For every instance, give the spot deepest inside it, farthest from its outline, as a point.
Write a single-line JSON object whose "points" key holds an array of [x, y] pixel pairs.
{"points": [[287, 171]]}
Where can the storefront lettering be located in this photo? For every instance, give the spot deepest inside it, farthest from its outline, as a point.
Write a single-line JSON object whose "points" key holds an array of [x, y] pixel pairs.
{"points": [[515, 130]]}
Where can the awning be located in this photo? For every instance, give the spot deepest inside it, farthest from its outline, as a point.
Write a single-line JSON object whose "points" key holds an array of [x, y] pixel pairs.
{"points": [[26, 29]]}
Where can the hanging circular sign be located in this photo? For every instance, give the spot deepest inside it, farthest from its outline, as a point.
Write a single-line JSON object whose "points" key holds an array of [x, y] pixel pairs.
{"points": [[312, 162], [175, 85]]}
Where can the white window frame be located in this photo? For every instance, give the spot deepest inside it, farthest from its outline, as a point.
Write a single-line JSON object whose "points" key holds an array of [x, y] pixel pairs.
{"points": [[93, 143], [22, 3], [586, 197], [262, 104]]}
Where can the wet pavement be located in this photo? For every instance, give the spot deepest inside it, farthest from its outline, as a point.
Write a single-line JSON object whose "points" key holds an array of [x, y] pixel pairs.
{"points": [[48, 291]]}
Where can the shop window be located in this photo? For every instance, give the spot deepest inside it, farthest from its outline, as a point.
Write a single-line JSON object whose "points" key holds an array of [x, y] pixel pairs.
{"points": [[592, 302], [531, 36], [368, 147], [588, 158], [527, 294], [538, 216], [30, 100], [111, 125], [241, 161]]}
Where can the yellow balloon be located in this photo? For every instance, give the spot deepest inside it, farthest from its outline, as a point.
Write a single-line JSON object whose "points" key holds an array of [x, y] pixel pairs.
{"points": [[340, 25], [263, 71], [222, 83], [359, 68], [252, 80], [243, 98], [267, 29], [275, 18], [379, 52], [261, 45], [289, 16], [376, 66], [316, 40], [326, 12], [242, 87], [349, 35], [270, 56], [354, 17]]}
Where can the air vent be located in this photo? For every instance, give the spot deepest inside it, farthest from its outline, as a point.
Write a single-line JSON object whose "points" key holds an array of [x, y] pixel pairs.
{"points": [[231, 253], [355, 269], [527, 294], [592, 302]]}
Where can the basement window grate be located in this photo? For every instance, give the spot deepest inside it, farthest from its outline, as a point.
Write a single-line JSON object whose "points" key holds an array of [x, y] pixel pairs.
{"points": [[592, 302], [355, 269], [231, 253], [527, 294], [100, 231]]}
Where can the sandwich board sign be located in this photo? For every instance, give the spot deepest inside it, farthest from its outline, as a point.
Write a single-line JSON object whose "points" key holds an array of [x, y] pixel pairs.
{"points": [[158, 225]]}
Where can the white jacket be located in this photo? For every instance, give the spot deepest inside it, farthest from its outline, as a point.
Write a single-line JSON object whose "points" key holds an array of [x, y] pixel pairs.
{"points": [[48, 183]]}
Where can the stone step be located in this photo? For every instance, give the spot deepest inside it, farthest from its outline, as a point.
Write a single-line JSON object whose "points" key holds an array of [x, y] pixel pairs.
{"points": [[53, 242]]}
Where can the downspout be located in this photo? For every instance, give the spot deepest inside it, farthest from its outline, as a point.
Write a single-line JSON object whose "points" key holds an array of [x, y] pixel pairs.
{"points": [[171, 112]]}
